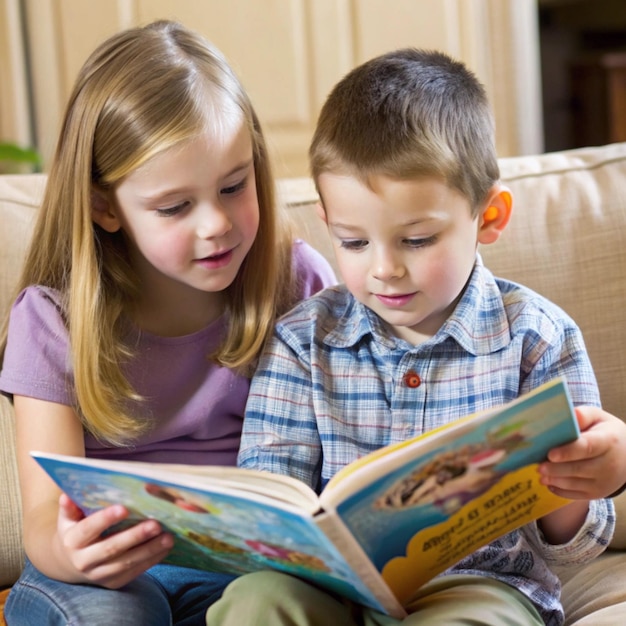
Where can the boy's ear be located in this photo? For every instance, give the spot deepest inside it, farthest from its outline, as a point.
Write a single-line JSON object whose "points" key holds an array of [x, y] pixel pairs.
{"points": [[102, 212], [321, 213], [495, 215]]}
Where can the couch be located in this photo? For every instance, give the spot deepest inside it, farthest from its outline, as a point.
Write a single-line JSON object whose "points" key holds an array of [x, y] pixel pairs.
{"points": [[566, 239]]}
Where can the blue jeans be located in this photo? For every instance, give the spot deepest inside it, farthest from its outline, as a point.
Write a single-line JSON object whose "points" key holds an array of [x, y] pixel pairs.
{"points": [[164, 595]]}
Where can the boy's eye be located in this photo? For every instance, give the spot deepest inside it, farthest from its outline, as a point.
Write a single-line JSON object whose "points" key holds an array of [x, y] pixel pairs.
{"points": [[353, 244], [173, 210], [420, 243], [234, 188]]}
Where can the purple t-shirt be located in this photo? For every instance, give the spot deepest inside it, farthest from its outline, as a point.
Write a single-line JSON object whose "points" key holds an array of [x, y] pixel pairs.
{"points": [[196, 406]]}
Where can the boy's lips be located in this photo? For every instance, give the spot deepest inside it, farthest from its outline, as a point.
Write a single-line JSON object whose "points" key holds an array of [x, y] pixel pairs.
{"points": [[396, 301]]}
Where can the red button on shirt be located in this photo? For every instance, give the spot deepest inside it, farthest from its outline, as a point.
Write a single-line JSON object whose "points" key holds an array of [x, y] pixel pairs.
{"points": [[412, 379]]}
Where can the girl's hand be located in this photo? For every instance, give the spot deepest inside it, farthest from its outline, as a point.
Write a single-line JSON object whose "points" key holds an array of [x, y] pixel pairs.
{"points": [[593, 466], [59, 540], [115, 560]]}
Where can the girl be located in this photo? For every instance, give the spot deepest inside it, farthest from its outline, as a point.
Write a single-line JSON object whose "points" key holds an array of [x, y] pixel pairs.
{"points": [[155, 274]]}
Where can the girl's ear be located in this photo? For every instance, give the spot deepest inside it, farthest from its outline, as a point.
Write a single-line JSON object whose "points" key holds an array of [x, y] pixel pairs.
{"points": [[319, 209], [102, 212], [495, 215]]}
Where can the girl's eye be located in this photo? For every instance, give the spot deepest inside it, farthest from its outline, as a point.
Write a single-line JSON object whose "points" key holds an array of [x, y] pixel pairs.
{"points": [[172, 210], [234, 188], [353, 244], [421, 243]]}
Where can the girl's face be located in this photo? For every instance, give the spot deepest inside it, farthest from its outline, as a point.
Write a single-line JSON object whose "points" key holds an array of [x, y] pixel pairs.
{"points": [[191, 215]]}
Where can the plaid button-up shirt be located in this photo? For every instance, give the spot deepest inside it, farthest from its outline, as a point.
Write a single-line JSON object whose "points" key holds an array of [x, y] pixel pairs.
{"points": [[334, 384]]}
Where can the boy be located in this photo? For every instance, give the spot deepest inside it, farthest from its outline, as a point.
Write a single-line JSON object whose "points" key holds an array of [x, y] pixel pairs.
{"points": [[421, 334]]}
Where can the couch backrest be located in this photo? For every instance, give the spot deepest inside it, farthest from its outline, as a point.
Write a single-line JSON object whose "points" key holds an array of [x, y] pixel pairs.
{"points": [[20, 197], [566, 239]]}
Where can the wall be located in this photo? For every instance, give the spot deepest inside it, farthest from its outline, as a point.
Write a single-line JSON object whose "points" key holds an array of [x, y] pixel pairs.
{"points": [[289, 53], [15, 120]]}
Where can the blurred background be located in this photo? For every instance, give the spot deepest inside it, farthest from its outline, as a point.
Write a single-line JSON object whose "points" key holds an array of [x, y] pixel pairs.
{"points": [[555, 70]]}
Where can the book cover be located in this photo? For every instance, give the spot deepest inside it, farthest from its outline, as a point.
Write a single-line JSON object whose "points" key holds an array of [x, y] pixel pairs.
{"points": [[438, 498], [219, 523]]}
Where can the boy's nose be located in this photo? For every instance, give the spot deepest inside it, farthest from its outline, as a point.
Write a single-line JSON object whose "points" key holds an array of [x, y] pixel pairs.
{"points": [[387, 267]]}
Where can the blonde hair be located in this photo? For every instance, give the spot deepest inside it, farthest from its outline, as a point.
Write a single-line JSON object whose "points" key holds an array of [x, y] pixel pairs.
{"points": [[407, 114], [143, 91]]}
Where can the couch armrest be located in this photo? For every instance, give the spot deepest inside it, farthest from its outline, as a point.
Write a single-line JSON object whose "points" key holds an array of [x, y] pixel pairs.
{"points": [[619, 539], [11, 549]]}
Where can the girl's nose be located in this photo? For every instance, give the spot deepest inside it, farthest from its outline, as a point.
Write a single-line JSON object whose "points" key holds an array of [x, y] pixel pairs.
{"points": [[213, 222]]}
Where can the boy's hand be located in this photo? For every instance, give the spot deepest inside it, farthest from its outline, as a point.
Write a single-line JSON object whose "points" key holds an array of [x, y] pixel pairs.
{"points": [[593, 466], [115, 560]]}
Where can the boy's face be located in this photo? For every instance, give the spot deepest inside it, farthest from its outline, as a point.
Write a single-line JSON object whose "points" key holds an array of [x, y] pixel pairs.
{"points": [[405, 249]]}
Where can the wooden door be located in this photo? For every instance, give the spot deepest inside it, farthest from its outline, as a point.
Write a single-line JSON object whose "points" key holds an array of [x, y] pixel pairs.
{"points": [[289, 53]]}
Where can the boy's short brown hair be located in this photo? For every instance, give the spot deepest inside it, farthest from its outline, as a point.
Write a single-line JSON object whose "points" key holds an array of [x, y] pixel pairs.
{"points": [[407, 114]]}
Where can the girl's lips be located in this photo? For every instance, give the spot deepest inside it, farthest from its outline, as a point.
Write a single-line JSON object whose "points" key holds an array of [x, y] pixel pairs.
{"points": [[216, 261], [396, 301]]}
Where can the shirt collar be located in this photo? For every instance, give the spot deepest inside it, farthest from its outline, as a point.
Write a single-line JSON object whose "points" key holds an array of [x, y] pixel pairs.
{"points": [[479, 323]]}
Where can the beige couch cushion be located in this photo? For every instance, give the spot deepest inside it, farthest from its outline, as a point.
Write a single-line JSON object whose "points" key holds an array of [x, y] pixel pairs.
{"points": [[10, 511], [594, 595], [19, 200], [567, 240]]}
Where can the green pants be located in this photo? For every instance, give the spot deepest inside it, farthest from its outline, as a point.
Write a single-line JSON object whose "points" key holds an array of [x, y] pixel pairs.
{"points": [[275, 599]]}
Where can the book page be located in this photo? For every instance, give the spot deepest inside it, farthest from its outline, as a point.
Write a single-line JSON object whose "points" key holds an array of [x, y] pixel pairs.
{"points": [[215, 525], [275, 486], [365, 574]]}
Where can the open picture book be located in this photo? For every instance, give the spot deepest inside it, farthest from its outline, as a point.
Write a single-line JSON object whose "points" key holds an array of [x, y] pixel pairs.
{"points": [[384, 525]]}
